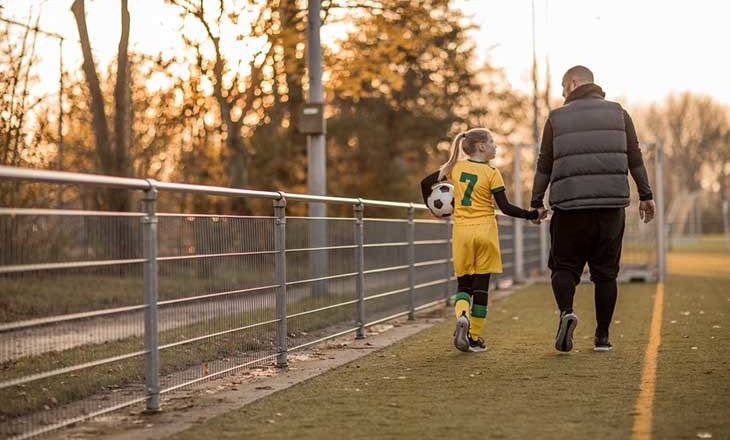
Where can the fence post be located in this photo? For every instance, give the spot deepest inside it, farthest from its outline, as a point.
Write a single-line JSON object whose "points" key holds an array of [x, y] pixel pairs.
{"points": [[449, 257], [544, 231], [360, 267], [517, 230], [411, 263], [726, 221], [280, 272], [661, 231], [151, 336]]}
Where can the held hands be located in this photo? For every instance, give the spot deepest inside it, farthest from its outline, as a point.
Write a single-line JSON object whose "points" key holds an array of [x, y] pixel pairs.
{"points": [[647, 209], [541, 214]]}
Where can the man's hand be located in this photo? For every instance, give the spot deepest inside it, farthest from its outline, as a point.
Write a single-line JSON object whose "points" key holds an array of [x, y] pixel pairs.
{"points": [[541, 214], [647, 209]]}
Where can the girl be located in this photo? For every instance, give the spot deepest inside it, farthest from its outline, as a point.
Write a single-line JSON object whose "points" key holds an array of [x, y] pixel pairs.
{"points": [[475, 241]]}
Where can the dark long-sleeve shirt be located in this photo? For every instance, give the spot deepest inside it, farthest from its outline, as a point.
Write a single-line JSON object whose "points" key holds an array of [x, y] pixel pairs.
{"points": [[545, 164], [500, 197]]}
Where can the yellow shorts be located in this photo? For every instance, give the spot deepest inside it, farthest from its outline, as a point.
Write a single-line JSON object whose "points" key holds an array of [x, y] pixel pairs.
{"points": [[476, 249]]}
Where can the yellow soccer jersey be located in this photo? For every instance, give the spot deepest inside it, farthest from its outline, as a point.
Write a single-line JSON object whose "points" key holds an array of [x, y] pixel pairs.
{"points": [[474, 183]]}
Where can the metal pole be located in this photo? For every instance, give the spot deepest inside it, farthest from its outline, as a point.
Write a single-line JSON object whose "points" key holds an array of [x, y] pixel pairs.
{"points": [[151, 336], [360, 267], [536, 134], [726, 221], [280, 273], [317, 165], [449, 260], [518, 225], [535, 91], [661, 231], [316, 156], [411, 263], [60, 105], [544, 231]]}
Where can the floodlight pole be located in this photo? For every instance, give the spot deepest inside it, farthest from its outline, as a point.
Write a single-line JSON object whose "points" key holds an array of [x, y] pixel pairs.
{"points": [[317, 164], [316, 155]]}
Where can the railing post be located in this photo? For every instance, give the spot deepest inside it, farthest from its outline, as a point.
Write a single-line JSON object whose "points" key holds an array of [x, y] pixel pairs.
{"points": [[411, 263], [359, 211], [151, 336], [661, 231], [280, 273], [449, 257], [544, 231], [518, 233]]}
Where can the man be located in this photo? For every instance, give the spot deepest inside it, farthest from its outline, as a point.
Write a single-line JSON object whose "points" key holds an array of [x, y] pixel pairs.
{"points": [[589, 146]]}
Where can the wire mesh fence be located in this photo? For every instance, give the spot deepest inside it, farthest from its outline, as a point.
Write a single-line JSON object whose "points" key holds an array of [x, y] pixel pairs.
{"points": [[104, 310]]}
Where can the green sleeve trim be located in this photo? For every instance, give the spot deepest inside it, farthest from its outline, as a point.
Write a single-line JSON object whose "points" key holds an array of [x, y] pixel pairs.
{"points": [[498, 189], [463, 296], [479, 311]]}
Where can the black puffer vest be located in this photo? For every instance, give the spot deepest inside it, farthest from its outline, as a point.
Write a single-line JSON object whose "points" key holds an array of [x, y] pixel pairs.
{"points": [[590, 164]]}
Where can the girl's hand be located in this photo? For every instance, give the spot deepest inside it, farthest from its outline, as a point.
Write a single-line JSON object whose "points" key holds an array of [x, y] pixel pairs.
{"points": [[541, 214]]}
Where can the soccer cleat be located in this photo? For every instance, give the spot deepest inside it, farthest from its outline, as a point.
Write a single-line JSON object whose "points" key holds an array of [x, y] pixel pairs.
{"points": [[601, 344], [564, 337], [461, 334], [477, 345]]}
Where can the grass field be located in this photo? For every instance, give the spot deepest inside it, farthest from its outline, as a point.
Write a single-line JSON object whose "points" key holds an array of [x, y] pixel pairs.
{"points": [[522, 388]]}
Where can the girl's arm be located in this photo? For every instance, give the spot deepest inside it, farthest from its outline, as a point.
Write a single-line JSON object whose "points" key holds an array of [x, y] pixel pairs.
{"points": [[511, 210], [427, 183]]}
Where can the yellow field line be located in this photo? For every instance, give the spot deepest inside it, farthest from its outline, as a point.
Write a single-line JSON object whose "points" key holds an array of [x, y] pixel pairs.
{"points": [[645, 401]]}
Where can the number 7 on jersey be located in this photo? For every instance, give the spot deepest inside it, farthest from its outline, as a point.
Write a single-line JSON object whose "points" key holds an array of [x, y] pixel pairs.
{"points": [[471, 180]]}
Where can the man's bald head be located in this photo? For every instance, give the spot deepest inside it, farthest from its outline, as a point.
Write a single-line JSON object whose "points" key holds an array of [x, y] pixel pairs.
{"points": [[575, 77]]}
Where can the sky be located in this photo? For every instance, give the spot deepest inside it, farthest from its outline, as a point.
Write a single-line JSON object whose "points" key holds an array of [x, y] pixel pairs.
{"points": [[639, 51]]}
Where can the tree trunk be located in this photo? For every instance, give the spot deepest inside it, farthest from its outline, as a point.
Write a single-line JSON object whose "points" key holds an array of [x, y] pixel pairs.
{"points": [[122, 95], [122, 109], [101, 128], [112, 158]]}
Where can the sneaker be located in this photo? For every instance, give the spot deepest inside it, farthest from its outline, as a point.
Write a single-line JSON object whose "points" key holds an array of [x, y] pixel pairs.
{"points": [[477, 345], [601, 344], [564, 337], [461, 334]]}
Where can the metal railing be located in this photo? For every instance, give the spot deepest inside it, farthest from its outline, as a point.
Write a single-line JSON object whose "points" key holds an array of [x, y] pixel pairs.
{"points": [[104, 310]]}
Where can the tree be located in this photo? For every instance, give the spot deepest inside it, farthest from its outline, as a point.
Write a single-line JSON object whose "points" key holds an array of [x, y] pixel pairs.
{"points": [[691, 127], [401, 84], [112, 156], [694, 131], [20, 128], [257, 96]]}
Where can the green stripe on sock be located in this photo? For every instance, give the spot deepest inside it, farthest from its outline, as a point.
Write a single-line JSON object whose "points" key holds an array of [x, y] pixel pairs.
{"points": [[463, 296], [479, 311]]}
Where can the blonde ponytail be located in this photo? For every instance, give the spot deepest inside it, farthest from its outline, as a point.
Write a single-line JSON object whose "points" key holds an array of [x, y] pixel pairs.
{"points": [[446, 168]]}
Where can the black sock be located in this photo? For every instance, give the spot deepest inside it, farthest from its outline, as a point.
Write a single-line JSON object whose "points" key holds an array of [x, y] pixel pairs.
{"points": [[606, 293], [564, 289]]}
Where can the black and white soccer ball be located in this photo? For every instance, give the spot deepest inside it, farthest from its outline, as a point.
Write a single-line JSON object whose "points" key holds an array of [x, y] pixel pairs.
{"points": [[441, 199]]}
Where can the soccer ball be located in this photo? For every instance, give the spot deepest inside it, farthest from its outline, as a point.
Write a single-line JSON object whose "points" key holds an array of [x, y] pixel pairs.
{"points": [[441, 200]]}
